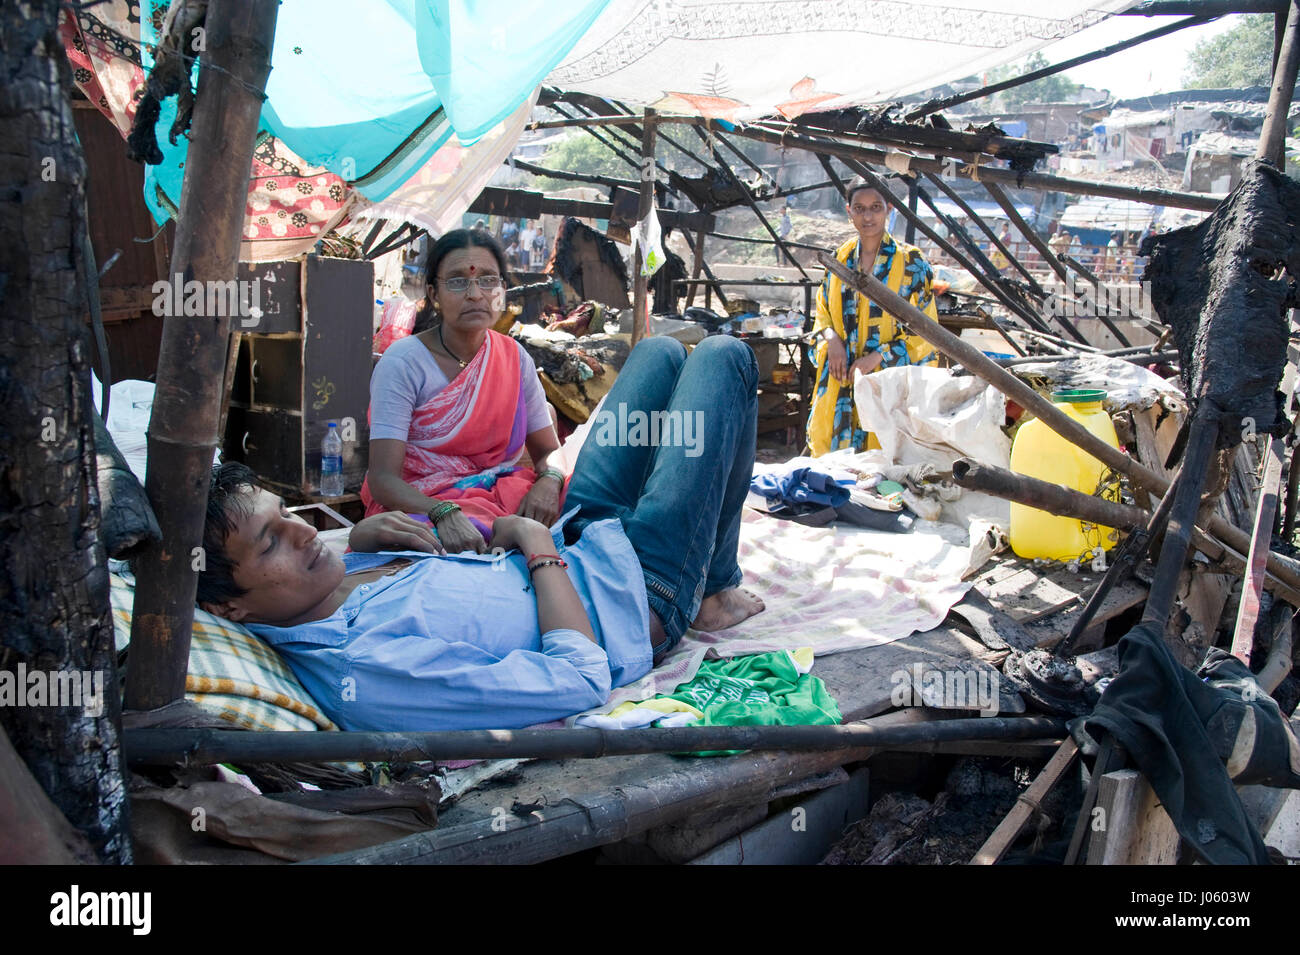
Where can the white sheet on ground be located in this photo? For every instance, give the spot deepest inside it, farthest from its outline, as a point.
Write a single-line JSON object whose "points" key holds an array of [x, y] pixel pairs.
{"points": [[833, 588]]}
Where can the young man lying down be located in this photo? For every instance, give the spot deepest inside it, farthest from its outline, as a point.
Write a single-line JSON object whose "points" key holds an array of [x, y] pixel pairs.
{"points": [[400, 635]]}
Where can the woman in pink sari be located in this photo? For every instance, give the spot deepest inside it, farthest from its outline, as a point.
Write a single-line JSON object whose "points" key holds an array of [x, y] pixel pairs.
{"points": [[452, 409]]}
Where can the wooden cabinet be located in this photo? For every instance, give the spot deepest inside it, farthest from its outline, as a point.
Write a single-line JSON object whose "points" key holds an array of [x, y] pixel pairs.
{"points": [[305, 362]]}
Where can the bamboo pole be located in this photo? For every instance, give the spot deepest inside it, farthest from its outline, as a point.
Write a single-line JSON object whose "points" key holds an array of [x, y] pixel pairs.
{"points": [[984, 367], [192, 357]]}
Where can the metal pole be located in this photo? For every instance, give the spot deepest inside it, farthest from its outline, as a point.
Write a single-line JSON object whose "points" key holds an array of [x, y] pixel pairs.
{"points": [[935, 105]]}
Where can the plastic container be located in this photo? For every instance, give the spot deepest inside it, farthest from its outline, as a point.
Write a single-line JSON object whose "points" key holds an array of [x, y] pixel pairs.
{"points": [[1039, 452], [331, 463]]}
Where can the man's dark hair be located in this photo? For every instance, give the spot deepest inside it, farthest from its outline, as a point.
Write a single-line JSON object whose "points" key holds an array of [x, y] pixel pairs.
{"points": [[857, 184], [229, 496]]}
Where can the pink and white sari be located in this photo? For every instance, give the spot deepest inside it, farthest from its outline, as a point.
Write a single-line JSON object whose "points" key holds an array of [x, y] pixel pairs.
{"points": [[464, 442]]}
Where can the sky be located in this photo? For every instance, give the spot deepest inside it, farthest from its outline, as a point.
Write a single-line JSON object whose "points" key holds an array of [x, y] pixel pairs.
{"points": [[1156, 66]]}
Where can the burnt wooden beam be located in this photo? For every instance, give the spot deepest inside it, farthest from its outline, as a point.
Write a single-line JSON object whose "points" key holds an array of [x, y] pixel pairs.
{"points": [[971, 170], [976, 171], [868, 127], [524, 204]]}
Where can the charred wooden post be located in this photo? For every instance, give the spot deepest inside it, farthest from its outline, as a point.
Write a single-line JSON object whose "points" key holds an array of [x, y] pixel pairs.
{"points": [[64, 771], [979, 364], [696, 267], [192, 358]]}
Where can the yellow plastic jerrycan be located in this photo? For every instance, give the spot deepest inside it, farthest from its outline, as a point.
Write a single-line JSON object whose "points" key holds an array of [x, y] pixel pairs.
{"points": [[1039, 452]]}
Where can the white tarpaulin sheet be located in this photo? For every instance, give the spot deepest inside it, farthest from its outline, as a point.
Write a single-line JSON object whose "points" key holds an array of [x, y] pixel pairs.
{"points": [[930, 416], [741, 60]]}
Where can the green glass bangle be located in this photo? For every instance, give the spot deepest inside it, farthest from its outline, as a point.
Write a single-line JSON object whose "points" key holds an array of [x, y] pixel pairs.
{"points": [[441, 510]]}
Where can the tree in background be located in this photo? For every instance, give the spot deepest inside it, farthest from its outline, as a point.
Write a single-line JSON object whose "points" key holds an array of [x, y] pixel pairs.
{"points": [[1050, 89], [1241, 56]]}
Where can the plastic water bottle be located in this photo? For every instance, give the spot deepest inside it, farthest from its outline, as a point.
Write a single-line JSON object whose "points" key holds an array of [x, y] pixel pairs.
{"points": [[331, 463]]}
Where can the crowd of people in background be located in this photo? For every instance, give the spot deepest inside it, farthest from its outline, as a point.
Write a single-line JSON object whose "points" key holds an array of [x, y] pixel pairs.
{"points": [[525, 244]]}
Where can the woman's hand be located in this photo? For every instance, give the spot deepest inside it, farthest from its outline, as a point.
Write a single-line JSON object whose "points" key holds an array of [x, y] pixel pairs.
{"points": [[866, 364], [542, 502], [524, 533], [837, 359], [393, 530], [458, 534]]}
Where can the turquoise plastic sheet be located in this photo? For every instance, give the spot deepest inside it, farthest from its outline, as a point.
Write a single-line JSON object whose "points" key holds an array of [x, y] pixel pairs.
{"points": [[370, 90]]}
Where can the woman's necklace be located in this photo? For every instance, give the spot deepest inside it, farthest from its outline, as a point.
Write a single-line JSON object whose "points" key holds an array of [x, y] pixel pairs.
{"points": [[448, 350]]}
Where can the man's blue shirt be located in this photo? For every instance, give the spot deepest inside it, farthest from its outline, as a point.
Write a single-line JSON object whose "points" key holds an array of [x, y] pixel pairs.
{"points": [[453, 642]]}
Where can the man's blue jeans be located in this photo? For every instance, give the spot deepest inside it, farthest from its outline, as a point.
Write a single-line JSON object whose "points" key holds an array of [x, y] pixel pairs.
{"points": [[678, 484]]}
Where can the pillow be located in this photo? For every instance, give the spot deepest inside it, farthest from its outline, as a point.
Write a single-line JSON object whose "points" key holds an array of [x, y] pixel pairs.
{"points": [[231, 671]]}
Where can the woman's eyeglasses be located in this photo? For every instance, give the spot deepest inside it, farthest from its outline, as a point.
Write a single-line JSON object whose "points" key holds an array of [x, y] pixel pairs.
{"points": [[461, 284]]}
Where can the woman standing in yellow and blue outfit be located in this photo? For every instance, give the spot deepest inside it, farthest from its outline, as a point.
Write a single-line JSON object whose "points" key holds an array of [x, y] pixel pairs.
{"points": [[845, 342]]}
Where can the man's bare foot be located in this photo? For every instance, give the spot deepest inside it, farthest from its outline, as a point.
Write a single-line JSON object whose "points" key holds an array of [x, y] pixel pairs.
{"points": [[727, 608]]}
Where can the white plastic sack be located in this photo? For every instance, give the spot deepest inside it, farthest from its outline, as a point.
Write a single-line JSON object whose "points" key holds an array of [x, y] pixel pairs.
{"points": [[923, 415]]}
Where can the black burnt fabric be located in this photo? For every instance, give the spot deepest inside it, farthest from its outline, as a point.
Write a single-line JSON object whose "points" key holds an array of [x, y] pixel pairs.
{"points": [[1180, 728], [1224, 286]]}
